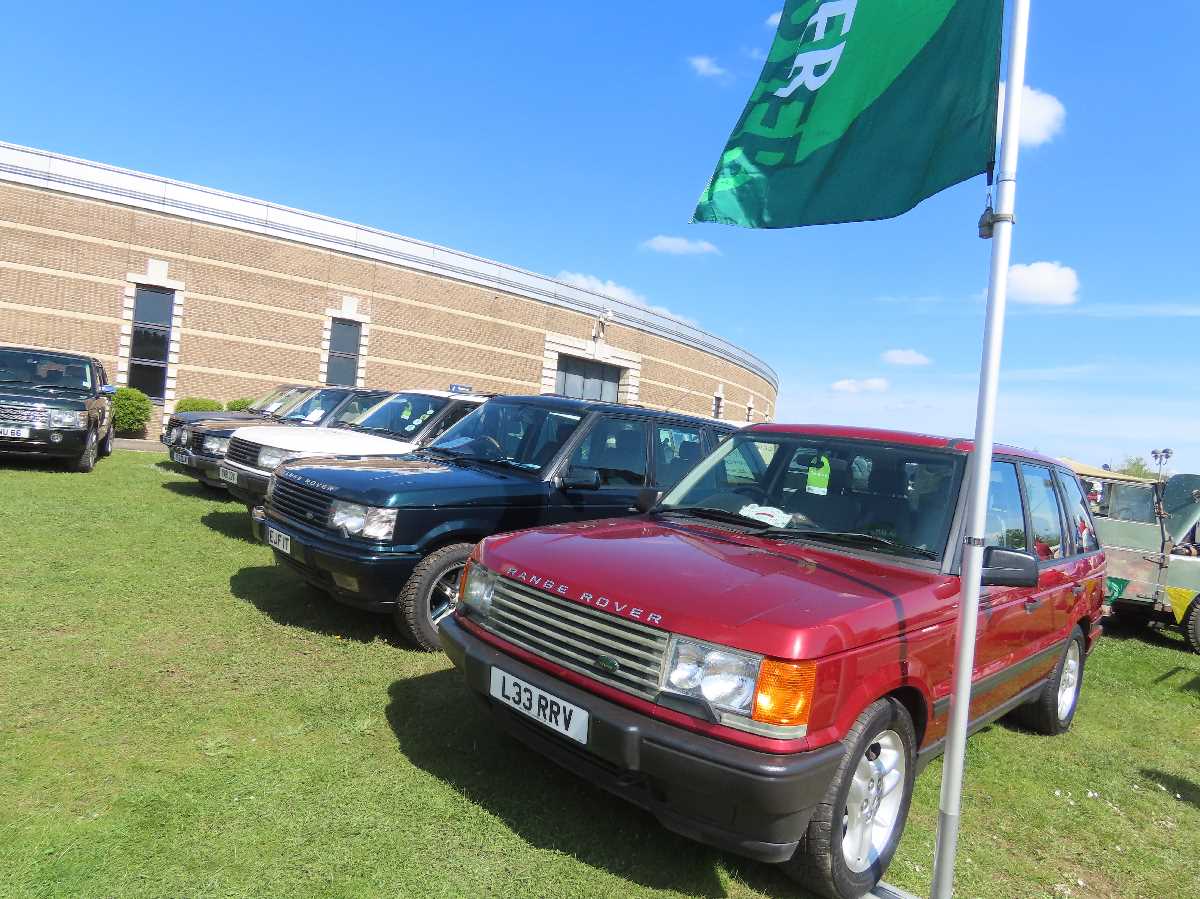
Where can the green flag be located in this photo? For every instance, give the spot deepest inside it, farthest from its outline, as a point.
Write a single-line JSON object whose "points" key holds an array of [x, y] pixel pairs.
{"points": [[864, 108]]}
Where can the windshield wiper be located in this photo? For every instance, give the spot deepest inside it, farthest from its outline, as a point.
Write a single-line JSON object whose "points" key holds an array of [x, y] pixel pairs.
{"points": [[871, 540], [713, 514]]}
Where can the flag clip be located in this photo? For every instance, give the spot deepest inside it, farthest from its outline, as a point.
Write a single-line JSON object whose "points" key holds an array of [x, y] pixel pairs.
{"points": [[989, 219], [974, 541]]}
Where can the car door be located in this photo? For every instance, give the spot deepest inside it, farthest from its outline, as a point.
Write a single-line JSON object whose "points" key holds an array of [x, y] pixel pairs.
{"points": [[1048, 603], [1003, 623], [1086, 570], [617, 448]]}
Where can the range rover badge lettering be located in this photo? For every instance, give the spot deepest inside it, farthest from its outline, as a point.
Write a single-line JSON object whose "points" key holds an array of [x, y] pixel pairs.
{"points": [[608, 664]]}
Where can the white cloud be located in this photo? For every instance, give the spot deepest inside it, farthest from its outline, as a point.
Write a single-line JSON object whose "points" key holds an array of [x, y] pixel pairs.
{"points": [[905, 357], [617, 292], [706, 67], [773, 19], [1043, 284], [860, 385], [1042, 116], [679, 246], [1140, 310]]}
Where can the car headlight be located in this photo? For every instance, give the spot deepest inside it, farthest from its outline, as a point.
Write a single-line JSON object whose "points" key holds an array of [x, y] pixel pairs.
{"points": [[271, 458], [185, 436], [756, 693], [216, 445], [354, 519], [477, 588], [172, 435], [724, 678], [64, 418]]}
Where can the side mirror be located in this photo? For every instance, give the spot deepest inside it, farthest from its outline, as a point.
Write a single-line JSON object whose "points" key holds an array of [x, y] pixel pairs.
{"points": [[581, 479], [108, 390], [647, 499], [1009, 568]]}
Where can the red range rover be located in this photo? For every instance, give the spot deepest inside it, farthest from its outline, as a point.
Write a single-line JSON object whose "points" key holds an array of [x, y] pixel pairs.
{"points": [[763, 660]]}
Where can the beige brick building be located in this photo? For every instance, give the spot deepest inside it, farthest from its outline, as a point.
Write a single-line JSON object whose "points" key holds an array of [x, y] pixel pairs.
{"points": [[188, 291]]}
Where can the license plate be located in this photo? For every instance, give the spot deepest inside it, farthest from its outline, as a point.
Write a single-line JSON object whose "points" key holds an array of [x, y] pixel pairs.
{"points": [[181, 458], [229, 477], [279, 541], [18, 433], [556, 714]]}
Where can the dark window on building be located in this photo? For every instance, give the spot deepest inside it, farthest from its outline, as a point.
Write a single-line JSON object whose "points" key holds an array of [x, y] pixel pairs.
{"points": [[150, 347], [585, 379], [718, 406], [345, 338]]}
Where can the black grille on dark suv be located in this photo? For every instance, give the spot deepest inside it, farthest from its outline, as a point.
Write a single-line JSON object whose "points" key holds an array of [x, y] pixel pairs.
{"points": [[299, 503], [243, 452]]}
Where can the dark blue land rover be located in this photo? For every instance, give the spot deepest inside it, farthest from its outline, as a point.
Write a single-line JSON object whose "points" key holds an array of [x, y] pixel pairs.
{"points": [[392, 534]]}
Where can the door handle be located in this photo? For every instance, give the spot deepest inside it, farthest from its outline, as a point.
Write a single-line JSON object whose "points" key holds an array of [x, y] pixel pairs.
{"points": [[1032, 605]]}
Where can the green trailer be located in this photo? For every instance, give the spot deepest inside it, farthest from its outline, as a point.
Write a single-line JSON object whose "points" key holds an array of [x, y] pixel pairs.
{"points": [[1149, 532]]}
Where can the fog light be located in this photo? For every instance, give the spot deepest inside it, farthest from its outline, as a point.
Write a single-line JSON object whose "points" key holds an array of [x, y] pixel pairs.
{"points": [[56, 437], [346, 582]]}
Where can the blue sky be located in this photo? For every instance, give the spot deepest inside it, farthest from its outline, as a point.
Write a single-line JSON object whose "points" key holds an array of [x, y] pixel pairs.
{"points": [[564, 137]]}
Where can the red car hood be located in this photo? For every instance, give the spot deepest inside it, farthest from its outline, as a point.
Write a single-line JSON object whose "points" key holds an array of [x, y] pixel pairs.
{"points": [[775, 598]]}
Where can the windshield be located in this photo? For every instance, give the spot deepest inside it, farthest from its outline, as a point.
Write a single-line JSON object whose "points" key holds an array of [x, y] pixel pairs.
{"points": [[314, 406], [886, 498], [518, 435], [403, 414], [357, 406], [271, 401], [45, 370]]}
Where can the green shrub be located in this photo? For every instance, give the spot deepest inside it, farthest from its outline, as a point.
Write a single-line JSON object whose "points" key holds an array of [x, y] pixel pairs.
{"points": [[198, 404], [240, 404], [131, 411]]}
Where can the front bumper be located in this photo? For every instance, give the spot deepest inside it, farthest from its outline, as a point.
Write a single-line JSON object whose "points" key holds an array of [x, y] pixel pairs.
{"points": [[755, 804], [39, 443], [328, 562], [251, 485], [203, 468]]}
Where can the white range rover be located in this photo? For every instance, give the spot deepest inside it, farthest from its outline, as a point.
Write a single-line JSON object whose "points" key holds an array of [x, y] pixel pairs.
{"points": [[393, 426]]}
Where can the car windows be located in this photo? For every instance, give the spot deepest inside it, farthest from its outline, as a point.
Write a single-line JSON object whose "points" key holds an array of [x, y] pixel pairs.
{"points": [[745, 463], [1083, 534], [1005, 522], [358, 404], [616, 448], [1129, 502], [676, 450], [317, 406], [1044, 513], [451, 418]]}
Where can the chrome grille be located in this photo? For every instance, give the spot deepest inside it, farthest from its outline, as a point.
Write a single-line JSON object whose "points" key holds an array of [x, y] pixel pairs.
{"points": [[25, 415], [574, 636], [299, 503], [243, 452]]}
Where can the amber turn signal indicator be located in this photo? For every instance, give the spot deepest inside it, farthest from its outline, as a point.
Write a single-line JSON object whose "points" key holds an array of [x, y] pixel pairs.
{"points": [[784, 693]]}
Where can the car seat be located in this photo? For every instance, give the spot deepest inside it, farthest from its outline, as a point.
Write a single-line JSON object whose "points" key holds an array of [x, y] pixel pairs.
{"points": [[886, 511]]}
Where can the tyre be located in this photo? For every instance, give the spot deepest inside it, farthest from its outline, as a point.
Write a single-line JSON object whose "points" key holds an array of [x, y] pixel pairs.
{"points": [[87, 459], [1054, 709], [430, 595], [106, 445], [856, 828], [1191, 626]]}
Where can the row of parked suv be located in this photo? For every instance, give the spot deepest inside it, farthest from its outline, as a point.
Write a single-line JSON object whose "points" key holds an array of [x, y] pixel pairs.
{"points": [[749, 634]]}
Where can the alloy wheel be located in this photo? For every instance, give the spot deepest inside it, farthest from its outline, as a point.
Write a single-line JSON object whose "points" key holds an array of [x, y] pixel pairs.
{"points": [[443, 598], [1068, 682], [873, 803]]}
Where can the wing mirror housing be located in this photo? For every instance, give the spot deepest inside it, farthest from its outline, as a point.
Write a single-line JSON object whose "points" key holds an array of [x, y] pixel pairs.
{"points": [[1009, 568], [581, 479], [647, 499]]}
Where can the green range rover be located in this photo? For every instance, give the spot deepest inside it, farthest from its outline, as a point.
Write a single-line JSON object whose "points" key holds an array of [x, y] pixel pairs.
{"points": [[54, 405]]}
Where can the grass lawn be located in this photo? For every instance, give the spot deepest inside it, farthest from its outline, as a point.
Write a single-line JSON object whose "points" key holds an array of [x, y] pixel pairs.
{"points": [[180, 717]]}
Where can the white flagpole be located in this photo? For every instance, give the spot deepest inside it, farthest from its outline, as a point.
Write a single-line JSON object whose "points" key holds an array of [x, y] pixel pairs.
{"points": [[979, 468]]}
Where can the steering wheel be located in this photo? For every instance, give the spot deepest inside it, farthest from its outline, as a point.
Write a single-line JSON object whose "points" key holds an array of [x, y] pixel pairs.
{"points": [[489, 447]]}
